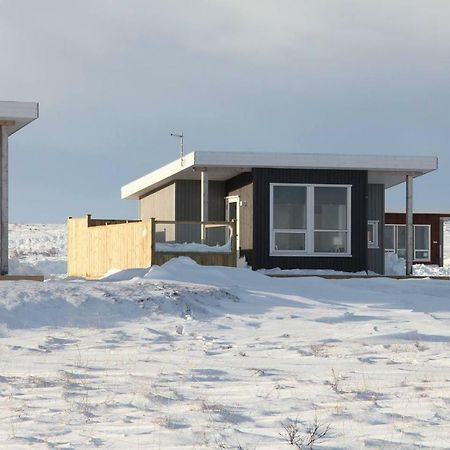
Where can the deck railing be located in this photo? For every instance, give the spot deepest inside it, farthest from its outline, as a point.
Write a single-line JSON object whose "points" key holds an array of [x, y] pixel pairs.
{"points": [[208, 243]]}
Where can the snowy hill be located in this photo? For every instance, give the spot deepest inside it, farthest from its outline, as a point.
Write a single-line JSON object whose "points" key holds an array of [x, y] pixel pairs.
{"points": [[190, 357], [38, 249]]}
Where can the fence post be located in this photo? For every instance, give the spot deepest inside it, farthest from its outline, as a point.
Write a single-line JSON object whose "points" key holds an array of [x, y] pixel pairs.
{"points": [[152, 240]]}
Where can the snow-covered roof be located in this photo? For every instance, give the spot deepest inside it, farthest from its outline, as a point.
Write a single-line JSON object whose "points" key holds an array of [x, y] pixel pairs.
{"points": [[383, 169], [18, 114]]}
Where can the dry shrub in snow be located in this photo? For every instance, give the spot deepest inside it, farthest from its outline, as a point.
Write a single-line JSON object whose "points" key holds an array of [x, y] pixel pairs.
{"points": [[304, 439]]}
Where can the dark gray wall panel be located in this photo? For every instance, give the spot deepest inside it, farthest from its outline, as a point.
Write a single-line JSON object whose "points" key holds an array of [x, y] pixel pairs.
{"points": [[187, 207], [375, 211], [242, 185], [261, 230], [187, 203]]}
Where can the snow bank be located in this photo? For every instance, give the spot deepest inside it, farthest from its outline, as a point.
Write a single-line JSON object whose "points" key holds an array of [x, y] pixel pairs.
{"points": [[393, 265], [193, 247], [397, 266], [184, 269], [311, 272], [423, 270]]}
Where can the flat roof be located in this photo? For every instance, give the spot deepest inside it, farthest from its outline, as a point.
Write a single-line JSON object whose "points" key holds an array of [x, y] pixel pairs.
{"points": [[18, 113], [383, 169]]}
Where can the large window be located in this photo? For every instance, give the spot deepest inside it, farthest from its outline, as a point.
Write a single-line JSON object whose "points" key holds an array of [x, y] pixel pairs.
{"points": [[310, 220], [395, 241]]}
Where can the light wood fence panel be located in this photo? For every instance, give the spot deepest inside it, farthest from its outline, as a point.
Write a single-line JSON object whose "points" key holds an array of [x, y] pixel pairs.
{"points": [[95, 249]]}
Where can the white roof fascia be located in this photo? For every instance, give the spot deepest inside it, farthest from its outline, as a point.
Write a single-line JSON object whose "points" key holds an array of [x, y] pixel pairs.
{"points": [[416, 165], [21, 113], [141, 185], [419, 164]]}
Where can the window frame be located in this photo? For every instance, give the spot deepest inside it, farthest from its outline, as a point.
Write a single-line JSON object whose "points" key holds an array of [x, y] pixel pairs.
{"points": [[395, 250], [394, 237], [310, 223], [375, 243], [422, 249]]}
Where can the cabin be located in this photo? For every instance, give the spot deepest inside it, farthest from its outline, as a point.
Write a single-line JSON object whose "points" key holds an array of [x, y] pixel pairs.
{"points": [[312, 211], [431, 236], [307, 211]]}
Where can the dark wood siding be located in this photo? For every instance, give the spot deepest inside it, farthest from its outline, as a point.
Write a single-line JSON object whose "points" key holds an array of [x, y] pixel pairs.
{"points": [[261, 230], [375, 211], [242, 185], [187, 207], [187, 200], [423, 219]]}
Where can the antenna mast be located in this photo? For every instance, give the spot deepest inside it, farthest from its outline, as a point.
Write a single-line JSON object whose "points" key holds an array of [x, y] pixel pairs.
{"points": [[181, 137]]}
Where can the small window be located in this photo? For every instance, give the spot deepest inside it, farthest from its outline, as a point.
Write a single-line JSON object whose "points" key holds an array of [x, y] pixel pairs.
{"points": [[372, 234], [401, 241], [389, 238], [422, 242]]}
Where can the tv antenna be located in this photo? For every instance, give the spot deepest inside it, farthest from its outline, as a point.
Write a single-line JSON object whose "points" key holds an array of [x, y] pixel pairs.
{"points": [[181, 137]]}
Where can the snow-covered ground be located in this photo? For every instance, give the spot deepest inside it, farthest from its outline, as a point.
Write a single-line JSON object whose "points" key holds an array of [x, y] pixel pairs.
{"points": [[38, 249], [191, 357]]}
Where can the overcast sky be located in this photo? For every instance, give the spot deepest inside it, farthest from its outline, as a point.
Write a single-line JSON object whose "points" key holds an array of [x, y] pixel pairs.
{"points": [[113, 78]]}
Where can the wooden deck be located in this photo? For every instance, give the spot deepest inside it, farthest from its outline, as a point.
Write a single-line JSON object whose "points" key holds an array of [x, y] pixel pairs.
{"points": [[21, 278]]}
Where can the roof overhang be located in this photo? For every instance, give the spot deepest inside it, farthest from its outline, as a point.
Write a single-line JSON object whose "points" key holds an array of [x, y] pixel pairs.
{"points": [[17, 114], [422, 212], [382, 169]]}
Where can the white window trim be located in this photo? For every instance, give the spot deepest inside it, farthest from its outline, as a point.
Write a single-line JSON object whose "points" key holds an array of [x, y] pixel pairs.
{"points": [[395, 249], [309, 232], [375, 243]]}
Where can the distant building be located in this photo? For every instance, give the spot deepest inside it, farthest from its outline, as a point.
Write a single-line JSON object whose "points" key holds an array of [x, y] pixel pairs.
{"points": [[431, 236], [13, 117]]}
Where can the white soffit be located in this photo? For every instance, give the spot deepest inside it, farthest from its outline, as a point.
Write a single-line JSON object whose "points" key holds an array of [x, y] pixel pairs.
{"points": [[21, 113], [388, 170]]}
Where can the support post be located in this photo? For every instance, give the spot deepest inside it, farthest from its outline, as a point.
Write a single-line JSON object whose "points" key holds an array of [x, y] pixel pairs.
{"points": [[409, 226], [3, 200], [152, 241], [204, 202]]}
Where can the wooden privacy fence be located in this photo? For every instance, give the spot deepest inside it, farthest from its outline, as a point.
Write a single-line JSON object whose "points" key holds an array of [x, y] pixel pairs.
{"points": [[97, 246]]}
